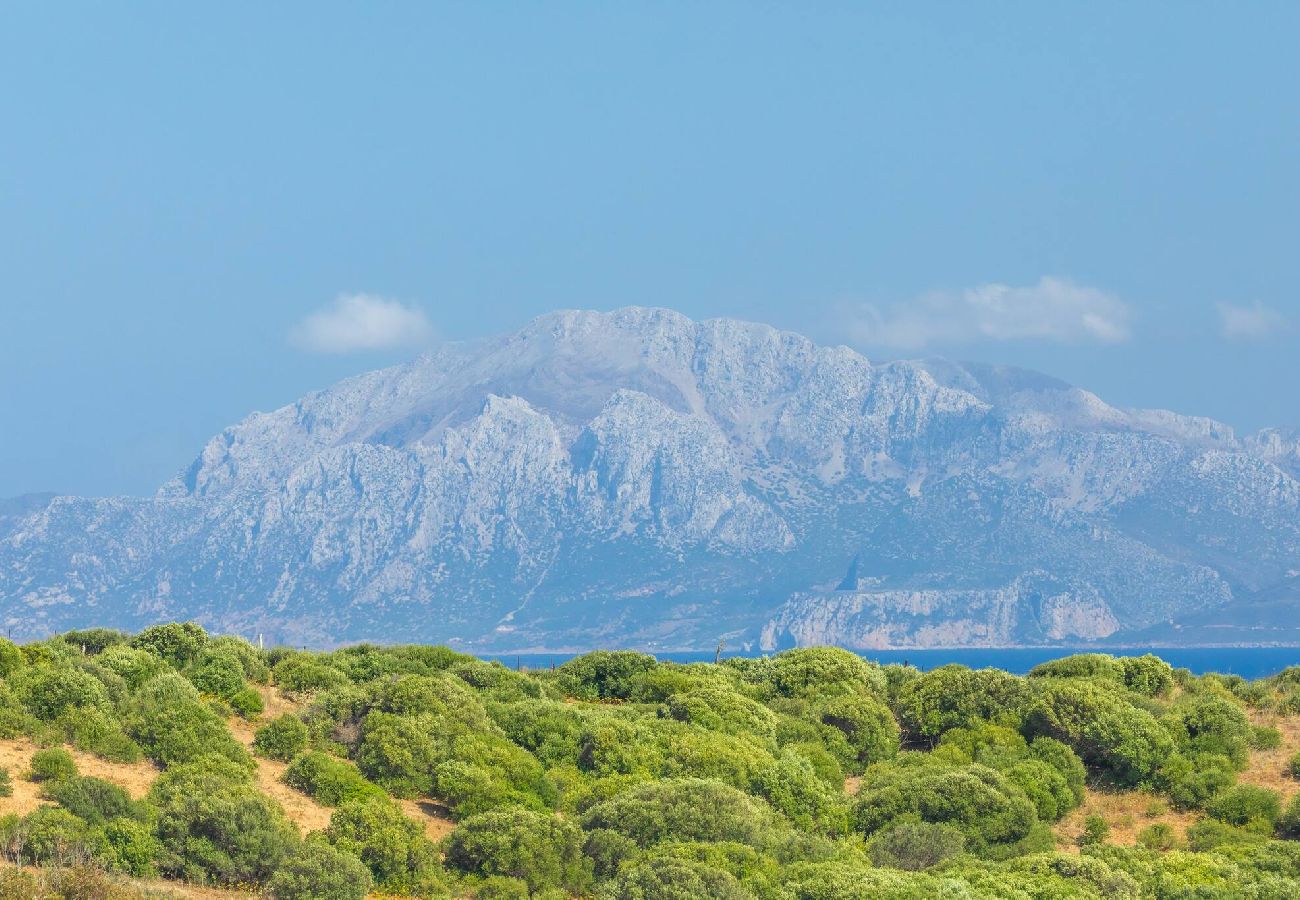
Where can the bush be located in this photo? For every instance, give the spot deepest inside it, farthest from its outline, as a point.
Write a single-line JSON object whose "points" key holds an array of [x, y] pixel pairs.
{"points": [[178, 643], [825, 671], [673, 810], [173, 726], [668, 878], [1288, 824], [302, 673], [52, 765], [603, 674], [1246, 804], [129, 846], [540, 849], [215, 825], [217, 673], [790, 784], [247, 704], [320, 872], [1095, 831], [332, 782], [391, 846], [954, 696], [398, 754], [913, 846], [1264, 737], [53, 836], [1293, 765], [133, 665], [92, 799], [6, 783], [95, 731], [47, 693], [866, 723], [282, 738], [1158, 836]]}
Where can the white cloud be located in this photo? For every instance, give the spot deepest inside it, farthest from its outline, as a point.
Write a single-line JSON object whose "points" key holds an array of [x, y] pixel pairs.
{"points": [[362, 322], [1054, 309], [1249, 323]]}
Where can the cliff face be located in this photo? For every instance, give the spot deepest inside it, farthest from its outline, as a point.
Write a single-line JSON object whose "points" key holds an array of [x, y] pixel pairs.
{"points": [[638, 478]]}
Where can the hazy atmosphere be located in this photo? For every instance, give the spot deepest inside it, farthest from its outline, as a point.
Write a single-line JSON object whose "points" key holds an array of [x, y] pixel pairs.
{"points": [[208, 215]]}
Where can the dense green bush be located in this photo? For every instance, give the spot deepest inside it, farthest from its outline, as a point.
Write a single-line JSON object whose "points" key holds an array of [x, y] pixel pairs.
{"points": [[318, 871], [603, 674], [91, 799], [331, 781], [172, 726], [915, 845], [53, 764], [1246, 804], [668, 878], [540, 849], [867, 725], [687, 809], [954, 696], [282, 738], [213, 823], [375, 831], [177, 643]]}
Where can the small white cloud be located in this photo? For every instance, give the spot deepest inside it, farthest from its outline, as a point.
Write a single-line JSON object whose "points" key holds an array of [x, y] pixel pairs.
{"points": [[362, 322], [1249, 323], [1054, 309]]}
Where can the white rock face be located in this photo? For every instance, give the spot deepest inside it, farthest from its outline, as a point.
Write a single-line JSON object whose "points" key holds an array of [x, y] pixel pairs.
{"points": [[634, 477]]}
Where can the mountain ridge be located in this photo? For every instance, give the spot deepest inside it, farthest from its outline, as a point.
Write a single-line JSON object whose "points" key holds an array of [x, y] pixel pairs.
{"points": [[636, 477]]}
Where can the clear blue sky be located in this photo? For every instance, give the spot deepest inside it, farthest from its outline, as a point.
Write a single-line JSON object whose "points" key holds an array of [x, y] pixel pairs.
{"points": [[180, 184]]}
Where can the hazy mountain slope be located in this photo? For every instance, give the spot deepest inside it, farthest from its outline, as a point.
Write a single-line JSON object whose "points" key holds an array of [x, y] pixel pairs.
{"points": [[636, 477]]}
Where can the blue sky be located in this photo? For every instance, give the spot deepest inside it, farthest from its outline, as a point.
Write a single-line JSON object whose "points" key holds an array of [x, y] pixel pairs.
{"points": [[1106, 192]]}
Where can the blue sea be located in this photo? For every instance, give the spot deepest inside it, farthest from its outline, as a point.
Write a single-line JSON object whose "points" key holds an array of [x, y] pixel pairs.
{"points": [[1248, 662]]}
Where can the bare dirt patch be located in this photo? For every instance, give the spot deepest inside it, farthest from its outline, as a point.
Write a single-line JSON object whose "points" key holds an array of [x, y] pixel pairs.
{"points": [[16, 756], [1268, 768]]}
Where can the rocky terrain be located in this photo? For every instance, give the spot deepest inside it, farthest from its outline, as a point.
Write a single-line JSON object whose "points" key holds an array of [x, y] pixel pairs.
{"points": [[637, 478]]}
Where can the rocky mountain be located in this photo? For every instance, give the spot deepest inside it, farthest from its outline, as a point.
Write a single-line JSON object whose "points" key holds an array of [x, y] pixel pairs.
{"points": [[635, 478]]}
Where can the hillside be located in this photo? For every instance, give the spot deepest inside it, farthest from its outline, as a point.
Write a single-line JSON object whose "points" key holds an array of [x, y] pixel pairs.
{"points": [[635, 478], [173, 763]]}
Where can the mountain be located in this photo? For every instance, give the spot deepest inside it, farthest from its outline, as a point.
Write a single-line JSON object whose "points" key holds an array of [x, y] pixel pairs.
{"points": [[636, 478]]}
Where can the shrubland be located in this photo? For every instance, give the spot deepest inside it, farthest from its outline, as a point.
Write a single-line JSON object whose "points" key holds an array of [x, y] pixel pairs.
{"points": [[812, 774]]}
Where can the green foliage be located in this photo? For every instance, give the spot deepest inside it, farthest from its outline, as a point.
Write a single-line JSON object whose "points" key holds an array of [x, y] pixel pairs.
{"points": [[604, 674], [867, 725], [332, 782], [214, 825], [1103, 728], [985, 806], [92, 799], [1211, 724], [722, 709], [50, 835], [318, 871], [132, 664], [398, 753], [282, 738], [687, 809], [129, 846], [11, 658], [392, 847], [1158, 836], [47, 692], [1288, 823], [1095, 830], [791, 785], [94, 641], [96, 731], [303, 673], [177, 643], [217, 673], [540, 849], [669, 878], [954, 696], [53, 764], [1246, 804], [915, 845], [172, 726], [825, 671], [6, 783]]}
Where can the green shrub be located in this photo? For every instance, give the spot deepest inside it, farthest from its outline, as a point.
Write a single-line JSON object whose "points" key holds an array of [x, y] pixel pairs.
{"points": [[282, 738], [11, 658], [791, 785], [52, 836], [133, 665], [173, 726], [824, 672], [247, 704], [53, 764], [376, 831], [866, 723], [1158, 836], [667, 878], [302, 673], [129, 846], [398, 753], [671, 810], [913, 846], [97, 732], [1265, 737], [6, 783], [1288, 823], [177, 643], [1293, 765], [954, 696], [1095, 830], [48, 692], [1190, 782], [332, 782], [92, 799], [540, 849], [1246, 804], [603, 674], [320, 872], [213, 824]]}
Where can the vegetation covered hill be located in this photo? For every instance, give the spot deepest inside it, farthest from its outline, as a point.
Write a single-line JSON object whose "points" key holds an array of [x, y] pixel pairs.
{"points": [[174, 761]]}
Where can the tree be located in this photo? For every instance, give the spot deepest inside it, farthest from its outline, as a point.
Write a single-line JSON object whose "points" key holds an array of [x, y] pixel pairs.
{"points": [[282, 738], [866, 722], [603, 674], [390, 845], [318, 871], [913, 846], [954, 696], [668, 878], [179, 643], [687, 809], [540, 849], [824, 671]]}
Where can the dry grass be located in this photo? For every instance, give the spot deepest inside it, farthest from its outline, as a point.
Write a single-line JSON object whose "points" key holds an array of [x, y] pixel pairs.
{"points": [[1126, 811], [1268, 768], [16, 756]]}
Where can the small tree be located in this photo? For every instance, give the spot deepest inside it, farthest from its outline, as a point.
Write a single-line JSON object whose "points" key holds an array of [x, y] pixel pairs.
{"points": [[321, 872], [282, 738]]}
